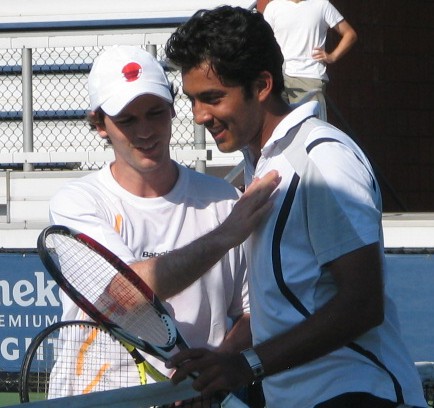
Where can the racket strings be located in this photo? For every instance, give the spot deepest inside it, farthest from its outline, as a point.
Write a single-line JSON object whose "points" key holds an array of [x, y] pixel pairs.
{"points": [[110, 293], [77, 359]]}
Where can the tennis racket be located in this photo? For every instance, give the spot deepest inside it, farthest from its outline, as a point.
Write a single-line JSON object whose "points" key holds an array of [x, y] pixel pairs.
{"points": [[78, 357], [112, 294]]}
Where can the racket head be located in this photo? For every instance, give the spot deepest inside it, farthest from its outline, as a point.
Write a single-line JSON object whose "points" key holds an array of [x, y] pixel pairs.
{"points": [[76, 357], [68, 255]]}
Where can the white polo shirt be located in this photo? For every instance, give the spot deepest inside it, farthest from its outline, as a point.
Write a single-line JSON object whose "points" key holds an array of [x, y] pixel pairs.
{"points": [[332, 210]]}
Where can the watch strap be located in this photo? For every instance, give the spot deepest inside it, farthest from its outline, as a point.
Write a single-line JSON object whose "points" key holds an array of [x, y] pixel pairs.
{"points": [[255, 363]]}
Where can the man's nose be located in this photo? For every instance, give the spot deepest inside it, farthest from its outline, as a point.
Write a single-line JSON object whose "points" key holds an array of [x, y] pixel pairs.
{"points": [[201, 113]]}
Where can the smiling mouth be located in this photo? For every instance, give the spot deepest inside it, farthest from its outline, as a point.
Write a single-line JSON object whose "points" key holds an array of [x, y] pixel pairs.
{"points": [[217, 134], [145, 149]]}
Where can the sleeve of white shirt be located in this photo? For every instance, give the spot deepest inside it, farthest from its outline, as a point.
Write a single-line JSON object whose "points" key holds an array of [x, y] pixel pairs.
{"points": [[331, 15], [342, 200], [80, 210], [268, 14]]}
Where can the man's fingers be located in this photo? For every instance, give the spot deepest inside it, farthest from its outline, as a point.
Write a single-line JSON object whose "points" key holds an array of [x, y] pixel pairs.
{"points": [[250, 209], [266, 184], [258, 193], [185, 363], [184, 355]]}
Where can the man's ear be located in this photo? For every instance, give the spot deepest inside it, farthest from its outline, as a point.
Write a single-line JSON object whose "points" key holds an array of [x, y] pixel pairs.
{"points": [[97, 120], [101, 131], [264, 85]]}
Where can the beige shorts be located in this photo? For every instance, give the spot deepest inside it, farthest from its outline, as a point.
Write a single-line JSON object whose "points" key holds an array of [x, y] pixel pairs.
{"points": [[299, 90]]}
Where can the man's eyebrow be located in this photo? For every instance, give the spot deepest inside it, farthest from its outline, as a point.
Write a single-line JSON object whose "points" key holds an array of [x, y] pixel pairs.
{"points": [[185, 93], [204, 94]]}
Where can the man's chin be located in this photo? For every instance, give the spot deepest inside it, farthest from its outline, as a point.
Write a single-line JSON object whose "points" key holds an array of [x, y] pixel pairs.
{"points": [[225, 148]]}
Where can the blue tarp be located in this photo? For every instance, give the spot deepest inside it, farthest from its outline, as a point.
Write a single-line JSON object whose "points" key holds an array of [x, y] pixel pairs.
{"points": [[29, 302]]}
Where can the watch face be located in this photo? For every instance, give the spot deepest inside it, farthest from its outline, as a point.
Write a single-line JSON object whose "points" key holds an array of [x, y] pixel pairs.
{"points": [[257, 371]]}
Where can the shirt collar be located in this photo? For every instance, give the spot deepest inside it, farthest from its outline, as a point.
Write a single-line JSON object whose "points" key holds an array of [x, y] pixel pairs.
{"points": [[293, 119]]}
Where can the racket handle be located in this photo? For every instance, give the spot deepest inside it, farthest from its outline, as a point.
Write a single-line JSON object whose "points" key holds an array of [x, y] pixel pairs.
{"points": [[231, 401]]}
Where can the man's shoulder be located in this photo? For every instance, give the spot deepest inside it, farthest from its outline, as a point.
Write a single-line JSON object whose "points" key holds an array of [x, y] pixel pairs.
{"points": [[86, 181], [319, 4], [206, 184], [87, 185]]}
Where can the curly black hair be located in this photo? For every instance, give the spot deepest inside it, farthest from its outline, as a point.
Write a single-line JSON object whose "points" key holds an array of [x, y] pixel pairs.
{"points": [[237, 43]]}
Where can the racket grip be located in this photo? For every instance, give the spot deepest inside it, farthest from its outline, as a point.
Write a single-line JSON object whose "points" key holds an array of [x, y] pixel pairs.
{"points": [[231, 401]]}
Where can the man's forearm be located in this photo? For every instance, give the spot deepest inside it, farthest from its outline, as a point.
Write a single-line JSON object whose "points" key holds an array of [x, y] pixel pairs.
{"points": [[239, 337], [348, 39], [170, 274]]}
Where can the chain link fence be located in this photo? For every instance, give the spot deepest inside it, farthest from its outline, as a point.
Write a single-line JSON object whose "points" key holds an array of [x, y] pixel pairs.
{"points": [[60, 103]]}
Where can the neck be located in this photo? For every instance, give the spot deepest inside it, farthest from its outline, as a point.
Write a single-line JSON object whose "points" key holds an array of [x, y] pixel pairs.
{"points": [[150, 184], [276, 110]]}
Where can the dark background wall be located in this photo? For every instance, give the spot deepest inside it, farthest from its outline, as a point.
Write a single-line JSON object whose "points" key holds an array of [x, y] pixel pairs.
{"points": [[384, 94]]}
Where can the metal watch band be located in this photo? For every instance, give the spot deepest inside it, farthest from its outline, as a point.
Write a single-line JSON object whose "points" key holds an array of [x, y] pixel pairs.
{"points": [[254, 363]]}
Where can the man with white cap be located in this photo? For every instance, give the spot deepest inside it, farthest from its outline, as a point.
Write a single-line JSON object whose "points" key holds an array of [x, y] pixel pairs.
{"points": [[144, 205]]}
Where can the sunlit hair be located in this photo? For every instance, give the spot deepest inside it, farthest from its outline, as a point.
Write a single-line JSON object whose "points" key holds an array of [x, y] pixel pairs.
{"points": [[237, 43], [95, 118]]}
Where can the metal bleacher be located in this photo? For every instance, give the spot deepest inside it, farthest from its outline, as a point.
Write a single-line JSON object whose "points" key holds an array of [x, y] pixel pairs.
{"points": [[44, 136]]}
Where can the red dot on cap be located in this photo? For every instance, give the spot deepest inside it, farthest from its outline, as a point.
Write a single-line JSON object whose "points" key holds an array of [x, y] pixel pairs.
{"points": [[132, 71]]}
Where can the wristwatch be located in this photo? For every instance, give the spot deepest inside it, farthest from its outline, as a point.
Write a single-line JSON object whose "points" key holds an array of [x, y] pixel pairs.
{"points": [[255, 364]]}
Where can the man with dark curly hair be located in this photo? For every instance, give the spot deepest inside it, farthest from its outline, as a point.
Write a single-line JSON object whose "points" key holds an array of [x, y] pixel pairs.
{"points": [[325, 330]]}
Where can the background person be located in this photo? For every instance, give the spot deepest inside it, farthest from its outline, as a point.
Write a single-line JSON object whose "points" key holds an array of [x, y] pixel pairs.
{"points": [[144, 205], [325, 331], [301, 28]]}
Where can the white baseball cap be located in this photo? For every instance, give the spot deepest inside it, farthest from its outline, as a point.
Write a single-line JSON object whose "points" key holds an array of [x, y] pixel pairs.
{"points": [[122, 73]]}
